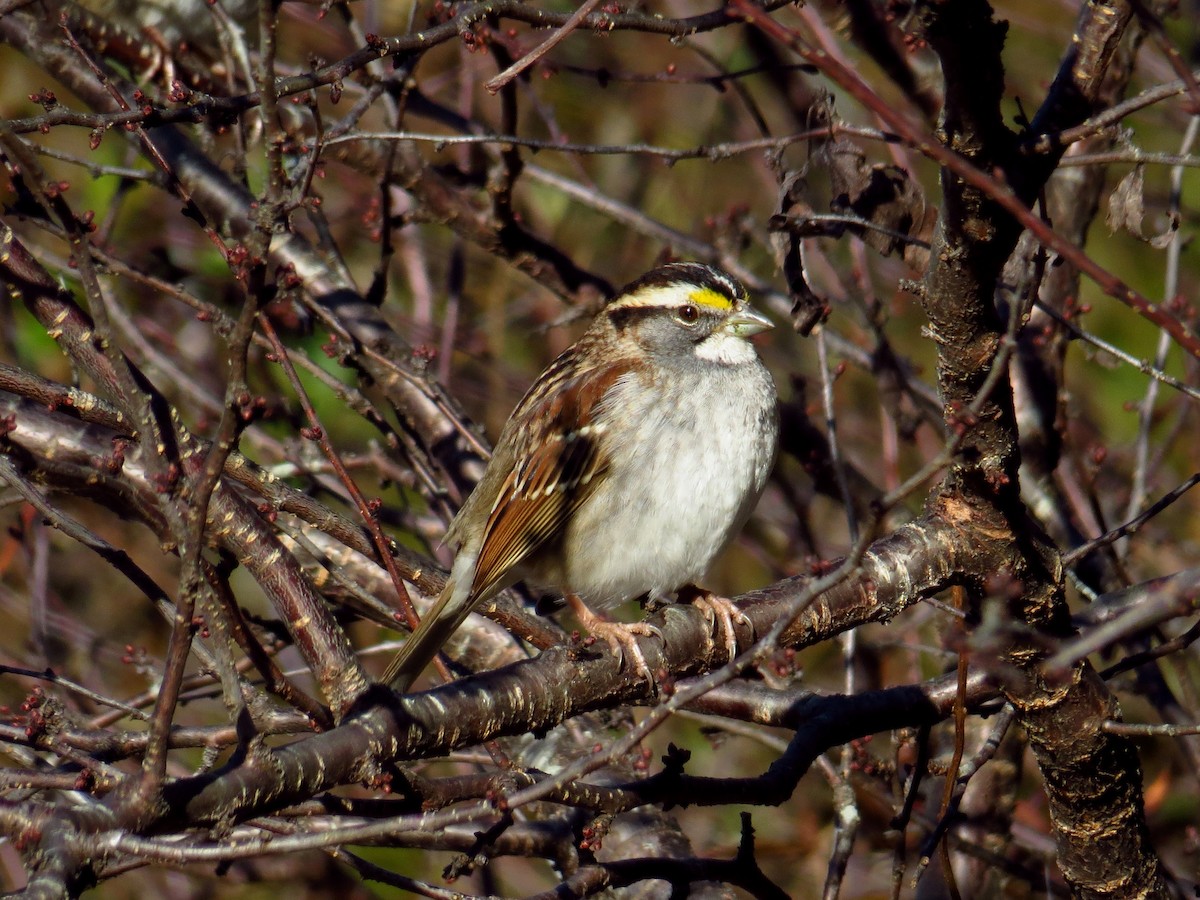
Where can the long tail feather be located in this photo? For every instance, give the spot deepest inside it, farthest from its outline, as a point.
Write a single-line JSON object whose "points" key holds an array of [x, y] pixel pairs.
{"points": [[453, 605]]}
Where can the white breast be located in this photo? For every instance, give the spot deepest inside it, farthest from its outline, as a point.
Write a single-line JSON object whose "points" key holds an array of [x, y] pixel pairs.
{"points": [[680, 491]]}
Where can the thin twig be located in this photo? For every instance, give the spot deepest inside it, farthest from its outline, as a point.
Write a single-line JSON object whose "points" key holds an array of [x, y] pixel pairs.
{"points": [[495, 83]]}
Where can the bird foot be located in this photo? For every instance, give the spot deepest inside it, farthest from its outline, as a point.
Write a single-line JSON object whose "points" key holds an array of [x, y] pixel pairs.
{"points": [[620, 637], [721, 613]]}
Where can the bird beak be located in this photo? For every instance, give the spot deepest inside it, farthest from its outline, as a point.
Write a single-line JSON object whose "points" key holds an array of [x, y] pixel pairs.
{"points": [[746, 321]]}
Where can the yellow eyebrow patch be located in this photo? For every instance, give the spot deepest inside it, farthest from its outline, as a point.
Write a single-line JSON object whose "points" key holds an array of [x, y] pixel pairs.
{"points": [[710, 298]]}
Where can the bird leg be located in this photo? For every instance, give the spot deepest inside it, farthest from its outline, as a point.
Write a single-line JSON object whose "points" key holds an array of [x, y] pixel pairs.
{"points": [[721, 613], [620, 637]]}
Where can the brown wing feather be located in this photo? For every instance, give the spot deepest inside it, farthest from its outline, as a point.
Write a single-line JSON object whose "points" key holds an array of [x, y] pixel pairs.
{"points": [[553, 474]]}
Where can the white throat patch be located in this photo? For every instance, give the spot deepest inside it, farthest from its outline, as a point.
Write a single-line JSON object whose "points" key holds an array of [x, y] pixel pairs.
{"points": [[726, 349]]}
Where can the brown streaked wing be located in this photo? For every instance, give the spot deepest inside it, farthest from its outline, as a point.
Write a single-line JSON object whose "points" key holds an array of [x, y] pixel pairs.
{"points": [[550, 478]]}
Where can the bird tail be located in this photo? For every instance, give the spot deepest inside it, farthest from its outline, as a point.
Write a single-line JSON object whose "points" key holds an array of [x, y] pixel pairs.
{"points": [[452, 607]]}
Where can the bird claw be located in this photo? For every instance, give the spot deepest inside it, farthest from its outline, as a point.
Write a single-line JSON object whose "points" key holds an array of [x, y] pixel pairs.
{"points": [[620, 637], [623, 641], [721, 614]]}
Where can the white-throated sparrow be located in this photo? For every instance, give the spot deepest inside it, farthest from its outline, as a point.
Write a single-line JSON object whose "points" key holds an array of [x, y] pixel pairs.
{"points": [[631, 463]]}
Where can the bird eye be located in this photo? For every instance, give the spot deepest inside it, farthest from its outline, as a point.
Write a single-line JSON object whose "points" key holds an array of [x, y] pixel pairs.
{"points": [[688, 314]]}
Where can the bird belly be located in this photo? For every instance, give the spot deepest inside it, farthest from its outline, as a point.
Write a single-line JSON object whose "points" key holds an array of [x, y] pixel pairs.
{"points": [[685, 493]]}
